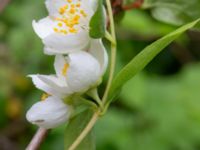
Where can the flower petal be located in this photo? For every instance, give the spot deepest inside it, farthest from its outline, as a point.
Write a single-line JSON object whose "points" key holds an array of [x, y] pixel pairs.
{"points": [[54, 5], [83, 72], [50, 85], [62, 44], [43, 27], [98, 50], [60, 86], [89, 6], [94, 4], [49, 113], [42, 85]]}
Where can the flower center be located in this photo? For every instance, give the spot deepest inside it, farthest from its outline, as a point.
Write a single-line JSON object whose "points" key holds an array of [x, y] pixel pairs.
{"points": [[65, 69], [69, 18]]}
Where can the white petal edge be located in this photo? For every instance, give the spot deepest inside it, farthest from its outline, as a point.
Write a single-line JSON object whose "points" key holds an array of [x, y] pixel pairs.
{"points": [[60, 86], [98, 50], [42, 85], [43, 27], [50, 84], [94, 4]]}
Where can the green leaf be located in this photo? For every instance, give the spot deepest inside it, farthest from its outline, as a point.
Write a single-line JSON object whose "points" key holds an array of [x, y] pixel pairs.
{"points": [[164, 108], [75, 127], [144, 57], [98, 22], [176, 12]]}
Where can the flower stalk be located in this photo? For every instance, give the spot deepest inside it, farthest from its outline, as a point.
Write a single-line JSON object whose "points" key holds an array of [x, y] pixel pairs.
{"points": [[113, 51], [38, 138]]}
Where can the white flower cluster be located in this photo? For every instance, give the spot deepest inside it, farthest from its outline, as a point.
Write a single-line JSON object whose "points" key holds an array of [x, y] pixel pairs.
{"points": [[80, 61]]}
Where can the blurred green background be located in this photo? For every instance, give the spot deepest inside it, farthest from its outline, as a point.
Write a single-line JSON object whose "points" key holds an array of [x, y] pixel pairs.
{"points": [[159, 109]]}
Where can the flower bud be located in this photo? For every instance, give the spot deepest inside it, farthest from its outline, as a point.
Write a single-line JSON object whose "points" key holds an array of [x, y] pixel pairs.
{"points": [[49, 113]]}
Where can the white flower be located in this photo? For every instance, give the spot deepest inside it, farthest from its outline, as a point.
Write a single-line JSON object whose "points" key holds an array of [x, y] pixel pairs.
{"points": [[75, 73], [49, 113], [67, 28]]}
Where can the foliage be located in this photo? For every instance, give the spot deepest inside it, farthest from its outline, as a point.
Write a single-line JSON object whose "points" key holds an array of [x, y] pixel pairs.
{"points": [[98, 22], [143, 58], [156, 113]]}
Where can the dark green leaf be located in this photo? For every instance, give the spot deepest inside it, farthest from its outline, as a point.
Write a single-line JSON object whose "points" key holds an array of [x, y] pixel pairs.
{"points": [[75, 127], [98, 22], [144, 57]]}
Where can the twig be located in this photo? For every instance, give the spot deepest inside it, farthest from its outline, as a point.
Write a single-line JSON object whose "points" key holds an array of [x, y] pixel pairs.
{"points": [[117, 6], [37, 139], [134, 5]]}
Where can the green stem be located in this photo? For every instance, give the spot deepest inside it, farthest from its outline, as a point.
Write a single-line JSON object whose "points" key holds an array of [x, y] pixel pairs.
{"points": [[94, 94], [109, 37], [113, 52], [110, 15]]}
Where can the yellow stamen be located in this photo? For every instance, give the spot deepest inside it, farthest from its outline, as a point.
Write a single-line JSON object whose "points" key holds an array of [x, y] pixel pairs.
{"points": [[72, 11], [66, 6], [55, 29], [72, 30], [78, 5], [83, 13], [75, 20], [77, 17], [70, 15], [68, 23], [60, 24], [63, 31], [61, 10], [72, 6], [44, 96], [65, 69]]}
